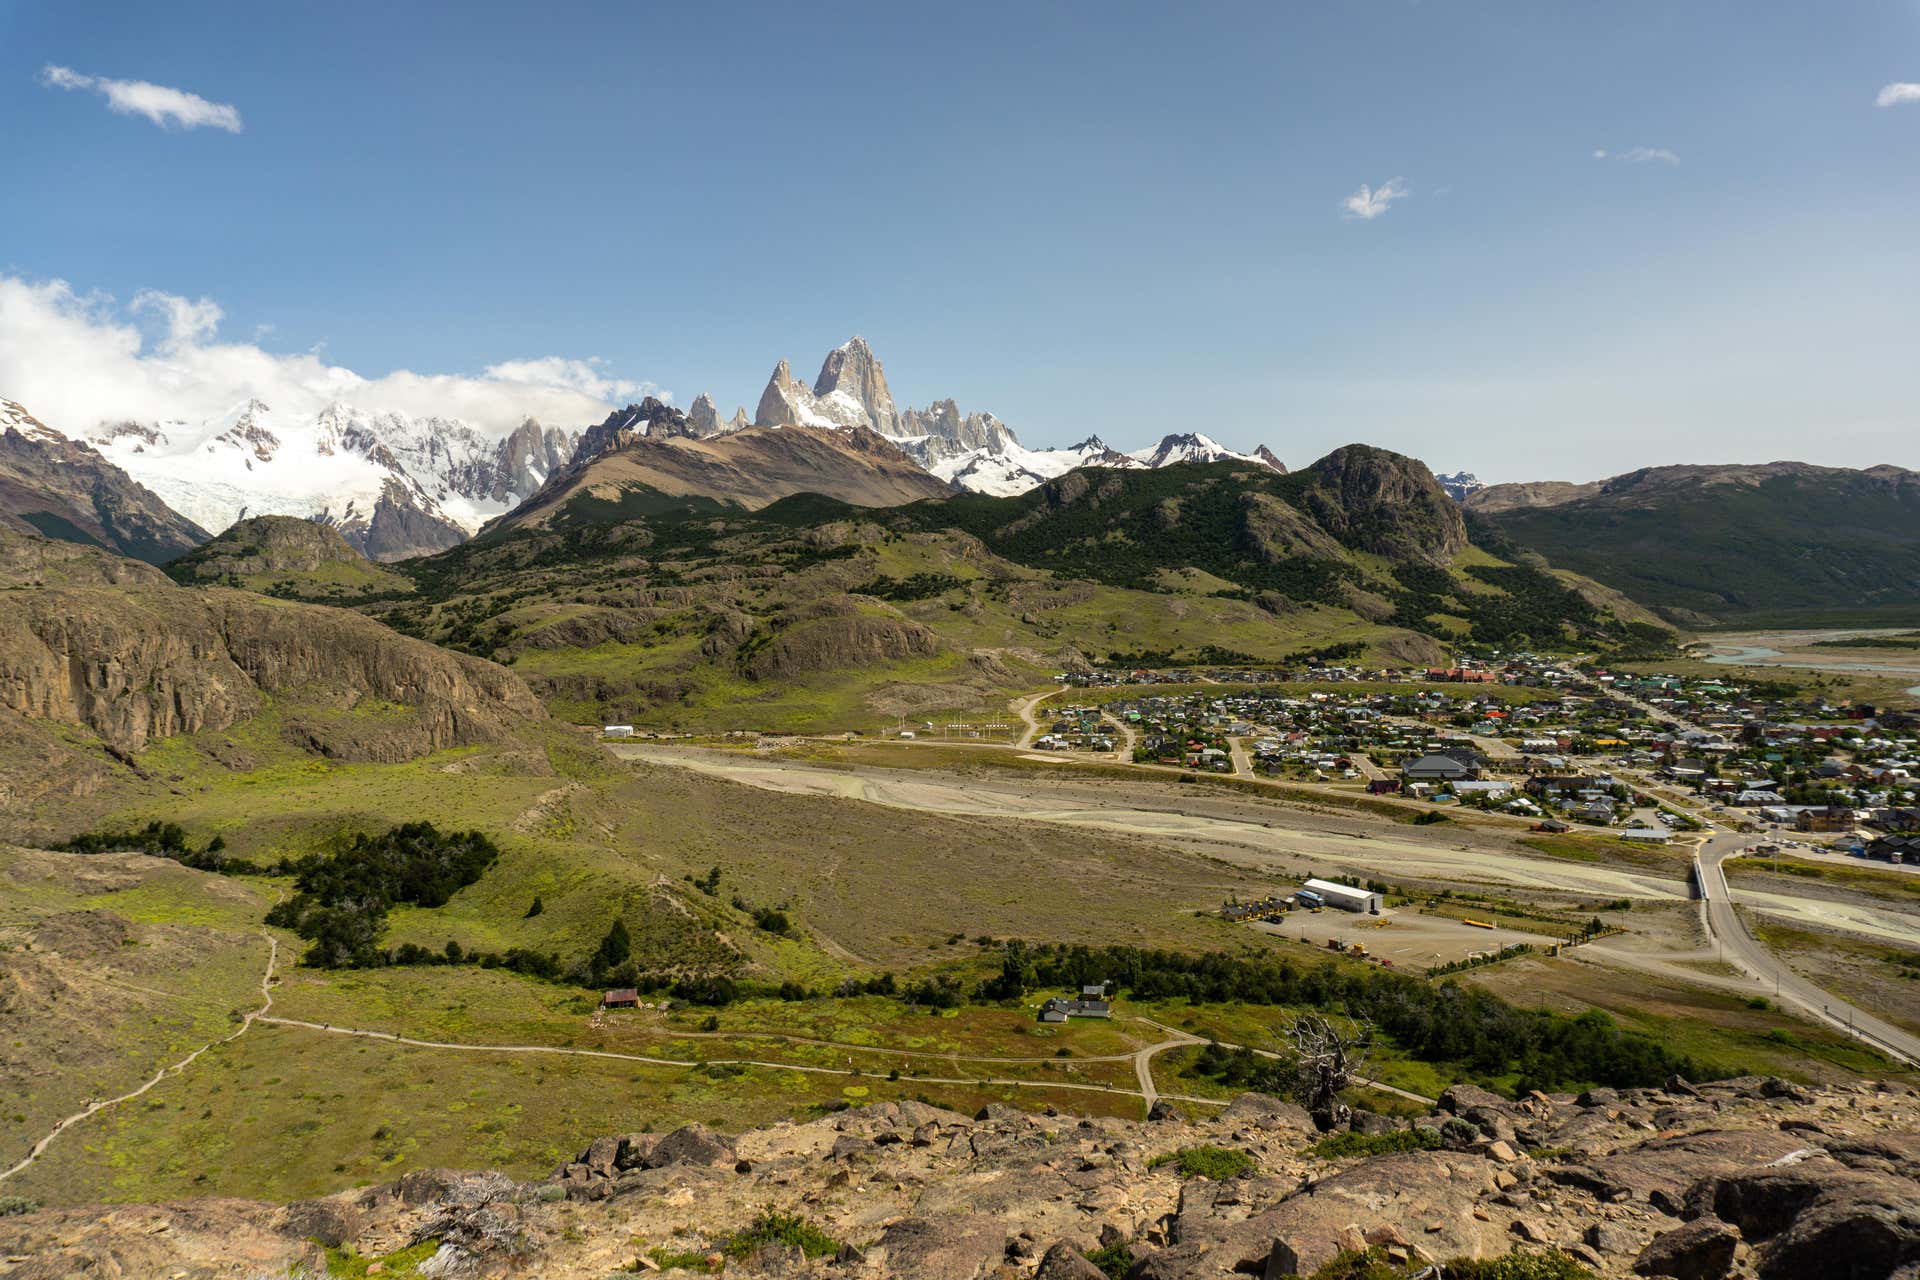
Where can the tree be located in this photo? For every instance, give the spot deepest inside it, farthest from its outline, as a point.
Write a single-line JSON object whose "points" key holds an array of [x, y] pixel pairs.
{"points": [[1326, 1060], [614, 948]]}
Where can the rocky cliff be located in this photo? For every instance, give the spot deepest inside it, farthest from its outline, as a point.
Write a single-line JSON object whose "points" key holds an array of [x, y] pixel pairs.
{"points": [[127, 657], [65, 489], [1753, 1177], [1385, 503]]}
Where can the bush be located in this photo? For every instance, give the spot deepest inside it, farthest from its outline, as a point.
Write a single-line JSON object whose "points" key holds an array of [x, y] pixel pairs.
{"points": [[774, 1227], [1114, 1260], [1215, 1163], [1338, 1146], [1519, 1265], [161, 840], [1373, 1264], [13, 1205]]}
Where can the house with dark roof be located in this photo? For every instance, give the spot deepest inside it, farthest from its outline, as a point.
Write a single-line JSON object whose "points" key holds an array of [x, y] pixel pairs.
{"points": [[1437, 768]]}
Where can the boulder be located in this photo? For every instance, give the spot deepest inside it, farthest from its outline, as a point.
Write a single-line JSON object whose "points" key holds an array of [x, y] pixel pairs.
{"points": [[963, 1246], [1260, 1111], [695, 1144], [1700, 1250], [1609, 1237], [1818, 1217], [328, 1222], [633, 1150], [600, 1155], [1064, 1262]]}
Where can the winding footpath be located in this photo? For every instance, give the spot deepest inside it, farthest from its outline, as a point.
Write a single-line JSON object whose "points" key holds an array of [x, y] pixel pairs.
{"points": [[92, 1108], [1141, 1060]]}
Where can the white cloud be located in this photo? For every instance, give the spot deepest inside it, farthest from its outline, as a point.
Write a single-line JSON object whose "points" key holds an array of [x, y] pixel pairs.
{"points": [[77, 360], [168, 108], [188, 323], [1640, 155], [1369, 203], [1898, 94]]}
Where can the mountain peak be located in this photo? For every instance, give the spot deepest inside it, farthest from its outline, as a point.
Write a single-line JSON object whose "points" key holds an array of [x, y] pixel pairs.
{"points": [[854, 386]]}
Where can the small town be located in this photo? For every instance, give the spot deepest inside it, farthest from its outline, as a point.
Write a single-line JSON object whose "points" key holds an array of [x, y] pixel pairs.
{"points": [[1637, 756]]}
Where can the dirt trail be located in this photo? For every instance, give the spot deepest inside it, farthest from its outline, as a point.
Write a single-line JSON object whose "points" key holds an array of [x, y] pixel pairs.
{"points": [[1025, 709], [246, 1023], [561, 1051]]}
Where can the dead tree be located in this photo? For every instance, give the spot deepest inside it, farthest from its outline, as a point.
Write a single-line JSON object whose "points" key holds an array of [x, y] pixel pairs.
{"points": [[1326, 1060]]}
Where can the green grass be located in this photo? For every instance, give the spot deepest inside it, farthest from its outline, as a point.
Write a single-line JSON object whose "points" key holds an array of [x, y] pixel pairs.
{"points": [[1897, 886], [345, 1264], [1215, 1163], [1339, 1146]]}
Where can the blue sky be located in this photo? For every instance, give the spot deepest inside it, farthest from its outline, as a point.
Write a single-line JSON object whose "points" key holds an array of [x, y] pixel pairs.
{"points": [[1085, 218]]}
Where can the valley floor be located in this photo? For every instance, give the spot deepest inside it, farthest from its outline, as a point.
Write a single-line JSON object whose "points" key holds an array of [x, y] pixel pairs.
{"points": [[919, 865]]}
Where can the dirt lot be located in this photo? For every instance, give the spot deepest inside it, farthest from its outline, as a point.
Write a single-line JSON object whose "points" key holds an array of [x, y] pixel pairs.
{"points": [[1410, 939]]}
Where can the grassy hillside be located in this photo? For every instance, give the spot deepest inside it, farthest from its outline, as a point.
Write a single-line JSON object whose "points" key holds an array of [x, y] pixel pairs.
{"points": [[1788, 544]]}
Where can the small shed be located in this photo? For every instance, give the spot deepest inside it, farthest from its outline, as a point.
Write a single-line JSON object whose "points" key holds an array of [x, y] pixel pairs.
{"points": [[623, 998]]}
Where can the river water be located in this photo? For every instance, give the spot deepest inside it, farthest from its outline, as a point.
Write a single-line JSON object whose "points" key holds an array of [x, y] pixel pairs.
{"points": [[1794, 649]]}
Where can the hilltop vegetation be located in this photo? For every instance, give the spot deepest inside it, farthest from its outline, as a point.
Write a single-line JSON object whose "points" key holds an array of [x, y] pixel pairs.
{"points": [[1706, 544], [287, 557], [811, 613]]}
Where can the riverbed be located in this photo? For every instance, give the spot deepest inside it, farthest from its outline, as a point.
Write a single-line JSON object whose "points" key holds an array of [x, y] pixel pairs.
{"points": [[1803, 649]]}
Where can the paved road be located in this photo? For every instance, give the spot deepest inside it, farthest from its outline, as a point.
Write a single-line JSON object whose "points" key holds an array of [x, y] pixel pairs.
{"points": [[1242, 761], [1745, 951]]}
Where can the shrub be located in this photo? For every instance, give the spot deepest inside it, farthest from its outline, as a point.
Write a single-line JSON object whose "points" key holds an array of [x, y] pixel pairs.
{"points": [[1215, 1163], [774, 1227], [1372, 1264], [1337, 1146], [12, 1205], [1114, 1260]]}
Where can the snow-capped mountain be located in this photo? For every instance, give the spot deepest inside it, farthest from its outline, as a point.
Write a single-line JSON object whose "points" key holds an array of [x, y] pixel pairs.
{"points": [[394, 485], [976, 451], [1460, 484], [61, 488], [1190, 446], [1010, 468]]}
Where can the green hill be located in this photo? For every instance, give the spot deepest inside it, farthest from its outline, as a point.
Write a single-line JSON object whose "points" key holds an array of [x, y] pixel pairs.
{"points": [[813, 613], [1726, 544]]}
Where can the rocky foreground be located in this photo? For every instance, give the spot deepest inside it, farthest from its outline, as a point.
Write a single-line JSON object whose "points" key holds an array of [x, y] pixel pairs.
{"points": [[1753, 1177]]}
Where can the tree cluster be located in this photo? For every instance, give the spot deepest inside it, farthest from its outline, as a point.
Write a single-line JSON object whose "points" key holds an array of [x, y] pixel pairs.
{"points": [[1433, 1022], [341, 902]]}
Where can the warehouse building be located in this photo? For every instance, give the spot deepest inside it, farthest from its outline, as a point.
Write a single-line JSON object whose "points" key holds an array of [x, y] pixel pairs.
{"points": [[1346, 897]]}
